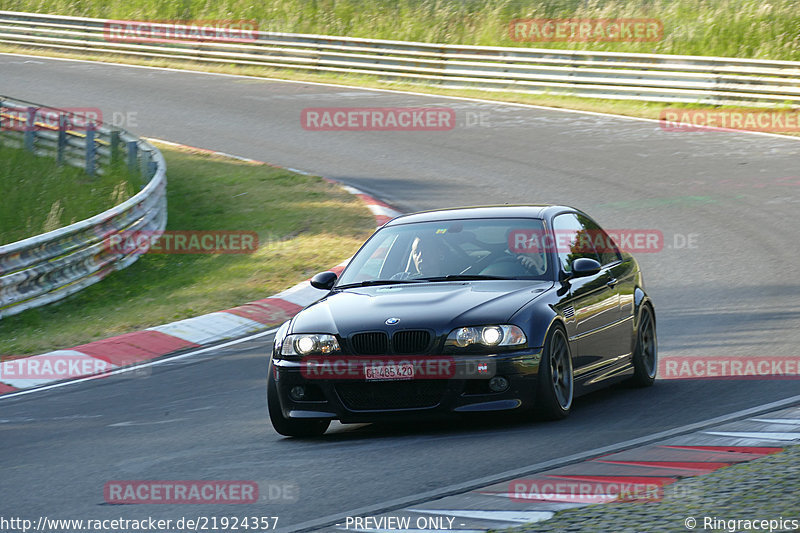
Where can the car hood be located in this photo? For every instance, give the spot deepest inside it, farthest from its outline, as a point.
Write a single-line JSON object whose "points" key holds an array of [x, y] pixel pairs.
{"points": [[437, 306]]}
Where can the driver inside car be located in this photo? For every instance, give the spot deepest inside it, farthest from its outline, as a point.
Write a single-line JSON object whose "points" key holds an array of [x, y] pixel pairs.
{"points": [[533, 261], [530, 255], [423, 260], [527, 260]]}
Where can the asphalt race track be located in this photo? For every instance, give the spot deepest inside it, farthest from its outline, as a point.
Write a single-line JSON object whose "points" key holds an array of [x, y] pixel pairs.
{"points": [[734, 293]]}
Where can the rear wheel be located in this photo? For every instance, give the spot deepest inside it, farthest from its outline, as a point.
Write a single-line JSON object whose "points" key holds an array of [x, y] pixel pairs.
{"points": [[555, 382], [645, 352], [287, 426]]}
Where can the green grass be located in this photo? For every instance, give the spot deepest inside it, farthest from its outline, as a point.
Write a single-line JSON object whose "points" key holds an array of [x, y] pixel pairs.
{"points": [[304, 224], [735, 28], [40, 196]]}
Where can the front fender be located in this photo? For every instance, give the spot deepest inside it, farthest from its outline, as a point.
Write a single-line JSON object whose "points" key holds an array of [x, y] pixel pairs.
{"points": [[279, 336], [641, 298], [537, 319]]}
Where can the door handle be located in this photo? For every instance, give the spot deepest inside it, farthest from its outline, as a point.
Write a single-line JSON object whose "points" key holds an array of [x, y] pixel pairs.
{"points": [[611, 282]]}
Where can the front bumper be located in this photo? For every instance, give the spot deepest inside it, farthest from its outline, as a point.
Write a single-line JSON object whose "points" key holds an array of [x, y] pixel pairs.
{"points": [[358, 400]]}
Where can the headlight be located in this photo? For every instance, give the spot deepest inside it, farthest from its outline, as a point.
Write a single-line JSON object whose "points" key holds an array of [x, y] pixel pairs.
{"points": [[504, 335], [492, 336], [309, 344]]}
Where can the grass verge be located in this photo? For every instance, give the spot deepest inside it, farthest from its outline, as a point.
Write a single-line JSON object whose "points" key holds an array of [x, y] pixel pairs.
{"points": [[304, 225], [733, 28], [40, 196]]}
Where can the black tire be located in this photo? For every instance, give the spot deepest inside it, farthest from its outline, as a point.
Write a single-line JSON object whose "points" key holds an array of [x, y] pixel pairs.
{"points": [[645, 351], [555, 385], [287, 426]]}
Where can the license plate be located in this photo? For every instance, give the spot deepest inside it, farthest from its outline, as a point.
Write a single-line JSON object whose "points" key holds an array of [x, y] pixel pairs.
{"points": [[389, 372]]}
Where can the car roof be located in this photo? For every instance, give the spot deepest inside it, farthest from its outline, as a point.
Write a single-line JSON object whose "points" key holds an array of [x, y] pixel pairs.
{"points": [[540, 211]]}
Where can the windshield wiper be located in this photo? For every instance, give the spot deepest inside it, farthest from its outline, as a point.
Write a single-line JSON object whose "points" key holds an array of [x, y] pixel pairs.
{"points": [[449, 277], [462, 277], [372, 282]]}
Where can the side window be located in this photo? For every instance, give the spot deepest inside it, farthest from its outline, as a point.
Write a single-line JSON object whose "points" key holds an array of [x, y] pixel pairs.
{"points": [[573, 240], [604, 245]]}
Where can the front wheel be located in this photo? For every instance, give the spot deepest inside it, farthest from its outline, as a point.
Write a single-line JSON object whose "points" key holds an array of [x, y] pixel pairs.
{"points": [[287, 426], [555, 381], [645, 352]]}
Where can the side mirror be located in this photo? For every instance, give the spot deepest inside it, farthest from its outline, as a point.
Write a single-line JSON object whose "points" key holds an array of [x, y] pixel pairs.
{"points": [[584, 266], [325, 280]]}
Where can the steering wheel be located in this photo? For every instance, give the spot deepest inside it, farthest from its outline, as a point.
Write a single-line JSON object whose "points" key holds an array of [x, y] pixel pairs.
{"points": [[478, 265], [506, 267]]}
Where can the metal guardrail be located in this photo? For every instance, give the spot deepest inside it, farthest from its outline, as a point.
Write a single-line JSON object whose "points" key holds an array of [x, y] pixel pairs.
{"points": [[650, 77], [48, 267]]}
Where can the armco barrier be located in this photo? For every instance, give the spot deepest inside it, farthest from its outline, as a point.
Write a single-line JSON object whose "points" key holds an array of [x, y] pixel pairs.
{"points": [[45, 268], [651, 77], [212, 328]]}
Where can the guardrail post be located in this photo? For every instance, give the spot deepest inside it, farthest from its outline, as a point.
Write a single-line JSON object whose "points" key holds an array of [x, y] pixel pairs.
{"points": [[91, 149], [133, 155], [30, 129], [63, 123], [144, 159], [114, 147]]}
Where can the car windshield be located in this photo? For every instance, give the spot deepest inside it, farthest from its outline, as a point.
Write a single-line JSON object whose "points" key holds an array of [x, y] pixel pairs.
{"points": [[449, 250]]}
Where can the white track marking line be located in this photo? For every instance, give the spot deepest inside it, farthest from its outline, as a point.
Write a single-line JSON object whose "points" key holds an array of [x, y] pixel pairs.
{"points": [[136, 367], [790, 421], [756, 435], [130, 423], [209, 327], [495, 516], [381, 210], [298, 171], [345, 528], [473, 484], [72, 359], [302, 294]]}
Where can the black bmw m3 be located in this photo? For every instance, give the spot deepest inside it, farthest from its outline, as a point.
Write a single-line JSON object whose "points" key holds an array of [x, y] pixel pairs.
{"points": [[504, 308]]}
